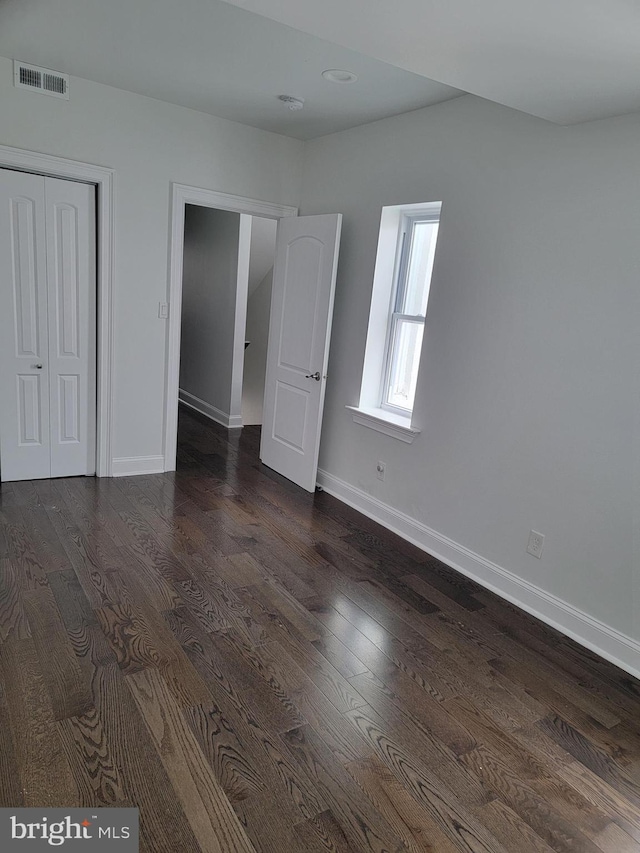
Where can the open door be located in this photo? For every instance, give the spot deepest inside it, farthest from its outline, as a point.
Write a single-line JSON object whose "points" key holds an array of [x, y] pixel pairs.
{"points": [[304, 279]]}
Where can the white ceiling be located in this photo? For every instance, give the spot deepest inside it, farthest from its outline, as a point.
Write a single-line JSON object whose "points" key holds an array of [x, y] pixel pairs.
{"points": [[213, 57], [563, 60]]}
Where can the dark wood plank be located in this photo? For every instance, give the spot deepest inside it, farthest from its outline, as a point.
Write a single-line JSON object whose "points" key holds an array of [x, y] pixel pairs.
{"points": [[22, 549], [339, 656], [408, 734], [13, 618], [89, 643], [425, 712], [44, 774], [67, 686], [165, 827], [602, 795], [615, 840], [322, 833], [268, 791], [545, 692], [11, 793], [130, 638], [227, 752], [510, 829], [364, 827], [587, 753], [226, 672], [534, 784], [280, 612], [411, 821], [452, 815], [89, 560], [92, 762], [529, 765], [534, 810], [210, 814]]}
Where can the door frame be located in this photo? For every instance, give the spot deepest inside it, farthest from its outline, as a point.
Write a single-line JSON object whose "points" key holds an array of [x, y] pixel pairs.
{"points": [[181, 195], [102, 178]]}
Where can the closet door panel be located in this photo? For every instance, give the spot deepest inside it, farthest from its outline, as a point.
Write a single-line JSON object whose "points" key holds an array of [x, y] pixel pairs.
{"points": [[70, 219], [24, 346]]}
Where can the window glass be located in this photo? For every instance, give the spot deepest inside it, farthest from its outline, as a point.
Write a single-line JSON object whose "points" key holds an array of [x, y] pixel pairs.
{"points": [[403, 375], [415, 293]]}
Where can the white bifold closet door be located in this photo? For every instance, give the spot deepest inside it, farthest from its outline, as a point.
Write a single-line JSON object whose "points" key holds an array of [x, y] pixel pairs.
{"points": [[47, 327]]}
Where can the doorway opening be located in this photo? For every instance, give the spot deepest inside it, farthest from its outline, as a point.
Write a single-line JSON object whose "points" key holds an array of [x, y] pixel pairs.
{"points": [[196, 213], [227, 271]]}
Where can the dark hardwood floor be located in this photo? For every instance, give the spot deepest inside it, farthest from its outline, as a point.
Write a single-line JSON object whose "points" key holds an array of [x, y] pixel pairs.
{"points": [[258, 668]]}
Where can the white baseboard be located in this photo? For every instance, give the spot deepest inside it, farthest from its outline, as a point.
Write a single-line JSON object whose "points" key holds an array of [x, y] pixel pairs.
{"points": [[209, 411], [129, 466], [605, 641]]}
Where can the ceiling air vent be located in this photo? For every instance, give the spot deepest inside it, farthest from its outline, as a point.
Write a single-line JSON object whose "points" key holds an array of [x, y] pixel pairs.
{"points": [[42, 80]]}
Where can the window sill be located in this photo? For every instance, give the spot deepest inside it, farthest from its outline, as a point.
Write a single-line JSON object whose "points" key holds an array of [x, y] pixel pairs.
{"points": [[382, 421]]}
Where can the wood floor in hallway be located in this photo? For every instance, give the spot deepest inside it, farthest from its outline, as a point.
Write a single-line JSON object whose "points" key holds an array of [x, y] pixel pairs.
{"points": [[258, 668]]}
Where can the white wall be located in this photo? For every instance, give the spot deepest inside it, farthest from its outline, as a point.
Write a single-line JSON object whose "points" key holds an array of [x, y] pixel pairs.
{"points": [[263, 252], [528, 392], [255, 356], [263, 249], [149, 144], [209, 287]]}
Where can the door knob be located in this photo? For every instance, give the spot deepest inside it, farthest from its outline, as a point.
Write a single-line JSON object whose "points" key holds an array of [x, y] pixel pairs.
{"points": [[37, 366], [315, 376]]}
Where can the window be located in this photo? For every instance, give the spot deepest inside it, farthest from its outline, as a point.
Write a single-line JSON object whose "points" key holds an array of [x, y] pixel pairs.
{"points": [[416, 253], [402, 280]]}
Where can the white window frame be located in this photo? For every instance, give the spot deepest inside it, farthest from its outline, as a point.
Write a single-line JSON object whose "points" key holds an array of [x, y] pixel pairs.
{"points": [[369, 412], [403, 255]]}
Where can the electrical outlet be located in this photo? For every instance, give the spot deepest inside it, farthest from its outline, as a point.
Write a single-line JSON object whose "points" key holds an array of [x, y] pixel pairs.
{"points": [[381, 469], [536, 544]]}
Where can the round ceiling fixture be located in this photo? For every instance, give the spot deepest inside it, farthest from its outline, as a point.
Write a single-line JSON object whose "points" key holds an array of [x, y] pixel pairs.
{"points": [[338, 75], [291, 102]]}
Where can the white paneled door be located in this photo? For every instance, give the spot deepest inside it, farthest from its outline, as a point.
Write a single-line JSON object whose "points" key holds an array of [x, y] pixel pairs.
{"points": [[71, 296], [304, 278], [47, 327], [25, 451]]}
